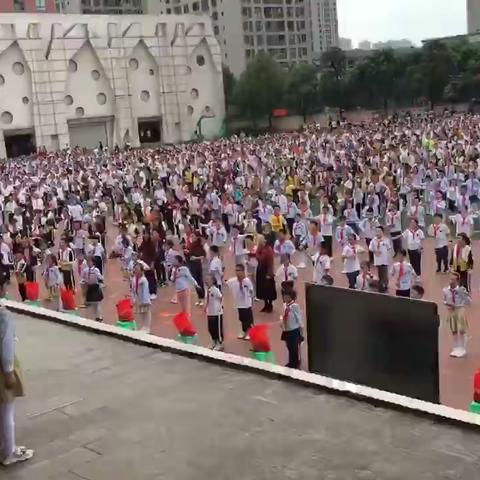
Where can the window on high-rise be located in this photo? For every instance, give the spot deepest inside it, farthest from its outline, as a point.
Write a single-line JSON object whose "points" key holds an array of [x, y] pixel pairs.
{"points": [[19, 5], [40, 4]]}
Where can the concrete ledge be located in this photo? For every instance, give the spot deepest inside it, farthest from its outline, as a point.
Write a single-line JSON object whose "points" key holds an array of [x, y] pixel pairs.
{"points": [[339, 387]]}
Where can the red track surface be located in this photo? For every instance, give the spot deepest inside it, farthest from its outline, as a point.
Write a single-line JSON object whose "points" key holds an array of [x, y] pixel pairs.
{"points": [[455, 374]]}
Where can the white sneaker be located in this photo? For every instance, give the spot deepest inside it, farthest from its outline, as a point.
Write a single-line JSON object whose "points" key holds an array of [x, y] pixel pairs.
{"points": [[454, 352], [246, 337], [301, 265], [200, 303], [197, 303], [241, 336], [219, 347], [461, 352], [153, 296], [174, 300], [21, 454]]}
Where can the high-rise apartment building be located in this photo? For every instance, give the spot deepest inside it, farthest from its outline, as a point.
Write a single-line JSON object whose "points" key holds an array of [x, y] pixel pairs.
{"points": [[324, 24], [473, 16], [243, 28], [27, 6]]}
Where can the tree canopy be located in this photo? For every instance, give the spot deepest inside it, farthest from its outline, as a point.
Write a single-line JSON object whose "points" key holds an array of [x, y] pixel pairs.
{"points": [[434, 73]]}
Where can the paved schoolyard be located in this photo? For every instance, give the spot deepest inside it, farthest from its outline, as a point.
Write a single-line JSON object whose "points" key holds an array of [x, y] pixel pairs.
{"points": [[102, 409]]}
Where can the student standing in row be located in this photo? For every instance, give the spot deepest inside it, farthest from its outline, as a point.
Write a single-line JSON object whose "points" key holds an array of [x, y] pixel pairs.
{"points": [[92, 280], [403, 274], [214, 310], [456, 298], [462, 260], [441, 233], [292, 324], [414, 237], [242, 292], [381, 248], [351, 262], [141, 297]]}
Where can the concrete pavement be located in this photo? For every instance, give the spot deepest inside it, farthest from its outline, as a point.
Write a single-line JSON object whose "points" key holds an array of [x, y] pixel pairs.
{"points": [[102, 409]]}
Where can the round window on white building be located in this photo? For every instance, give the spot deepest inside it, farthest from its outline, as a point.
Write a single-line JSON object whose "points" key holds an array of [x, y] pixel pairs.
{"points": [[72, 66], [194, 93], [145, 96], [2, 80], [7, 118], [79, 112], [101, 99], [200, 60], [18, 68], [95, 74], [68, 100], [190, 110], [133, 64]]}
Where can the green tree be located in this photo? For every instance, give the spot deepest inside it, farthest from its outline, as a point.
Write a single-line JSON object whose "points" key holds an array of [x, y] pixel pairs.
{"points": [[302, 90], [260, 88], [432, 74], [228, 85], [335, 61]]}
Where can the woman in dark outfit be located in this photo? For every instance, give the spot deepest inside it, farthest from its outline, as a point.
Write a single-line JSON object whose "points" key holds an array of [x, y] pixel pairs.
{"points": [[266, 290], [269, 235], [147, 254], [195, 254]]}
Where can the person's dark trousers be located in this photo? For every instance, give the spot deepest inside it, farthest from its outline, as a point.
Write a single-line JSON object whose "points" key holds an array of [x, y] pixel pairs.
{"points": [[98, 261], [152, 281], [160, 272], [195, 221], [352, 278], [225, 222], [396, 242], [403, 293], [327, 242], [215, 327], [370, 254], [195, 267], [383, 278], [441, 255], [245, 315], [464, 279], [268, 307], [293, 340], [22, 290], [415, 257], [68, 279], [290, 222]]}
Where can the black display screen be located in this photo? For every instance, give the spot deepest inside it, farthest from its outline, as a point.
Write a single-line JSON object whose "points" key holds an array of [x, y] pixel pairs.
{"points": [[381, 341]]}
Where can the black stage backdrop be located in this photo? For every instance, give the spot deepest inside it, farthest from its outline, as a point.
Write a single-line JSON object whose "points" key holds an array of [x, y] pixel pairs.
{"points": [[381, 341]]}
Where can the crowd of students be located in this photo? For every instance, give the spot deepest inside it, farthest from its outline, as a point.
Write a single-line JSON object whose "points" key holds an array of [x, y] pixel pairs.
{"points": [[364, 195]]}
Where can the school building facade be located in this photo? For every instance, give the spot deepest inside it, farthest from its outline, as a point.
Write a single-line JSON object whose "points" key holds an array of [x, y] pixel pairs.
{"points": [[68, 80]]}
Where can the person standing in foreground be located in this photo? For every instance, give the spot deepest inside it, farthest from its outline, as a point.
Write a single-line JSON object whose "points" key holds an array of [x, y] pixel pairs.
{"points": [[456, 298], [214, 310], [414, 237], [11, 387], [242, 292], [292, 324]]}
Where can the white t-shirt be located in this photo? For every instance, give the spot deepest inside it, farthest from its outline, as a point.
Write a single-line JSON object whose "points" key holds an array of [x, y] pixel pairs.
{"points": [[214, 301], [351, 263], [381, 248], [440, 233], [413, 239], [403, 274], [242, 294], [321, 267]]}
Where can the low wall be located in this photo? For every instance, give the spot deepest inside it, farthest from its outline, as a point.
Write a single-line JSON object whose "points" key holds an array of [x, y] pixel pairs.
{"points": [[378, 397]]}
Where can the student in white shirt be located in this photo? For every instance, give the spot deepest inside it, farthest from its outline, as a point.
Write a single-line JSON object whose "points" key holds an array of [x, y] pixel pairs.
{"points": [[215, 267], [414, 237], [394, 225], [463, 223], [321, 264], [283, 245], [381, 248], [311, 243], [365, 276], [343, 232], [214, 310], [237, 246], [91, 280], [441, 233], [351, 263], [456, 298], [242, 292], [141, 297], [325, 221], [403, 274], [286, 272], [367, 228]]}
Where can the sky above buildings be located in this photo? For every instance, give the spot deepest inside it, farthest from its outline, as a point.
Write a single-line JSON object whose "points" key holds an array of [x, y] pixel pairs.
{"points": [[381, 20]]}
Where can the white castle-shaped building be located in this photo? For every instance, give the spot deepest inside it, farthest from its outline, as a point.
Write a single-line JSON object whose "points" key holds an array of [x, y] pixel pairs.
{"points": [[68, 80]]}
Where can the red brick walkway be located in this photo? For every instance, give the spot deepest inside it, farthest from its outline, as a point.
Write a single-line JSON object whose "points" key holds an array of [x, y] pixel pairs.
{"points": [[455, 374]]}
